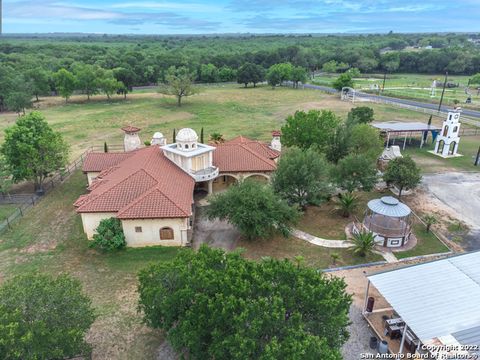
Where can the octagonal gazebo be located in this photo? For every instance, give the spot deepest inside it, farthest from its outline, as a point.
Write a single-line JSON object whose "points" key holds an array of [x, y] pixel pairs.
{"points": [[389, 220]]}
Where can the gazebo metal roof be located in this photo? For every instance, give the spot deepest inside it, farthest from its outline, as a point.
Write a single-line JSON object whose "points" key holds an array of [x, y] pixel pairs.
{"points": [[389, 206]]}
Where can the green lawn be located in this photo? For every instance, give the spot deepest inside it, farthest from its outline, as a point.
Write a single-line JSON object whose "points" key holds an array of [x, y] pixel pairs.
{"points": [[427, 244], [411, 86], [228, 109], [429, 162], [7, 210]]}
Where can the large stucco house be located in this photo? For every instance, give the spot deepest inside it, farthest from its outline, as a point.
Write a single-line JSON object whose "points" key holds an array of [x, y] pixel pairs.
{"points": [[151, 189]]}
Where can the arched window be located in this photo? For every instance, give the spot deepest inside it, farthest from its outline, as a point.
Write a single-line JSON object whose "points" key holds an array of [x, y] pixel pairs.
{"points": [[455, 129], [186, 146], [445, 130], [441, 145], [166, 233]]}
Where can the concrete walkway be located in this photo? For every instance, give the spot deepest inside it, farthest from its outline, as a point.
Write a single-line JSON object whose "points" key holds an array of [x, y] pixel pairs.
{"points": [[336, 244], [321, 242]]}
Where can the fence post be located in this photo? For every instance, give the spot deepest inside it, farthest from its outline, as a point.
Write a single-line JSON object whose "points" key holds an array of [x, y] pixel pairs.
{"points": [[8, 223], [21, 212]]}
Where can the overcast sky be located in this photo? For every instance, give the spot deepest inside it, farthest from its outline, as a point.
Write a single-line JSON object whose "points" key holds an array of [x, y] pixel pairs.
{"points": [[233, 16]]}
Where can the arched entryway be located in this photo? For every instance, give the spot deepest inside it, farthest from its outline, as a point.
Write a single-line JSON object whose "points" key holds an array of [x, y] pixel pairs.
{"points": [[452, 148], [166, 233], [223, 181], [263, 178], [441, 145]]}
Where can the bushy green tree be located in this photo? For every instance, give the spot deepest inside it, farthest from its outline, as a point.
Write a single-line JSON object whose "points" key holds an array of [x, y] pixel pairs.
{"points": [[108, 84], [87, 77], [39, 80], [250, 73], [42, 317], [344, 80], [361, 115], [346, 204], [109, 235], [298, 75], [279, 73], [404, 173], [217, 305], [254, 209], [302, 177], [226, 73], [365, 140], [65, 83], [209, 73], [32, 150], [179, 82], [313, 128], [355, 172]]}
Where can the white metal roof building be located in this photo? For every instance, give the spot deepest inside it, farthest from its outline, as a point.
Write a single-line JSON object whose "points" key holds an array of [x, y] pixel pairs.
{"points": [[436, 299]]}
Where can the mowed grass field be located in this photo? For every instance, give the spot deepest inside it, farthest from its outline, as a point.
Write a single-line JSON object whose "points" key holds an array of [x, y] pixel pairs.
{"points": [[413, 86], [230, 110]]}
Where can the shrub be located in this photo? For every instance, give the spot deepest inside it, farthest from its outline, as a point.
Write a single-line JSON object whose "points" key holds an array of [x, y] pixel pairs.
{"points": [[109, 235], [364, 242]]}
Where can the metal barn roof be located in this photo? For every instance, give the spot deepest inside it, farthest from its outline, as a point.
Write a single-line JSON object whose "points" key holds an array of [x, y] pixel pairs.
{"points": [[389, 206], [438, 298], [395, 126]]}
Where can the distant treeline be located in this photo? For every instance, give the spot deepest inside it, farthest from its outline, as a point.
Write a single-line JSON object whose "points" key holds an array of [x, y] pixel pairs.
{"points": [[142, 60]]}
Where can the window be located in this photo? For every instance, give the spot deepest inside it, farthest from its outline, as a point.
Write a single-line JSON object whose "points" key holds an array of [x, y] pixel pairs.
{"points": [[186, 146], [455, 129], [445, 130], [166, 233], [138, 229]]}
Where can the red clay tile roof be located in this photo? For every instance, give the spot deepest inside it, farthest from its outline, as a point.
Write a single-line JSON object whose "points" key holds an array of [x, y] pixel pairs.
{"points": [[96, 161], [244, 155], [131, 129], [276, 133], [125, 189]]}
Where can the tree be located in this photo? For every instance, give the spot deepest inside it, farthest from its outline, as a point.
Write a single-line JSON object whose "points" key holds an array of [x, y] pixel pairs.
{"points": [[32, 150], [254, 209], [105, 147], [250, 73], [339, 144], [127, 77], [355, 172], [298, 75], [109, 235], [347, 203], [87, 78], [330, 67], [209, 73], [42, 317], [65, 83], [364, 242], [475, 79], [18, 101], [201, 136], [217, 138], [354, 72], [429, 220], [179, 82], [402, 172], [274, 77], [302, 177], [344, 80], [217, 305], [5, 177], [361, 115], [174, 137], [39, 80], [226, 73], [365, 140], [313, 128], [108, 84]]}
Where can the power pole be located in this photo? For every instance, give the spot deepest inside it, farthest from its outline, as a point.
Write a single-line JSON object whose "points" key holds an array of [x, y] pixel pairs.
{"points": [[477, 160], [384, 79], [443, 91]]}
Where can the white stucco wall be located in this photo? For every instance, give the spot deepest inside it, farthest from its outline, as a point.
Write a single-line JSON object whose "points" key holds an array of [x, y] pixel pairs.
{"points": [[150, 234], [91, 176], [92, 220]]}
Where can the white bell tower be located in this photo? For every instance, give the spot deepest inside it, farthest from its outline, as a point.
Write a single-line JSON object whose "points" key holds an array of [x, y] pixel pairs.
{"points": [[276, 143], [447, 141]]}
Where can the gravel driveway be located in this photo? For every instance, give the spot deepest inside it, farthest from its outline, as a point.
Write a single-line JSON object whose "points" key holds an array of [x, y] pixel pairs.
{"points": [[461, 193]]}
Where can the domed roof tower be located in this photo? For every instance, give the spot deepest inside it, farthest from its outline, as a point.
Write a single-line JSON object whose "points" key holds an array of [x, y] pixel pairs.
{"points": [[187, 139]]}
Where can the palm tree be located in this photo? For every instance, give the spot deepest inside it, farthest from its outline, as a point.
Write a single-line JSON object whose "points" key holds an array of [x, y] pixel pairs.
{"points": [[217, 138], [364, 242], [346, 204], [334, 256], [429, 221]]}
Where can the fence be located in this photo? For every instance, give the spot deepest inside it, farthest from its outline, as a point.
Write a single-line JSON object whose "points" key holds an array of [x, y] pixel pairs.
{"points": [[30, 200]]}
